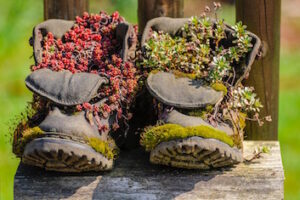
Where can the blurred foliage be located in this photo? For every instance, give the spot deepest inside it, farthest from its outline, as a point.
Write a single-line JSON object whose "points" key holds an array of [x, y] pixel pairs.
{"points": [[18, 17], [127, 9]]}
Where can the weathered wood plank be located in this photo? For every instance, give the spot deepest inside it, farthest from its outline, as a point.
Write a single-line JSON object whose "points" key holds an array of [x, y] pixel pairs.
{"points": [[134, 178]]}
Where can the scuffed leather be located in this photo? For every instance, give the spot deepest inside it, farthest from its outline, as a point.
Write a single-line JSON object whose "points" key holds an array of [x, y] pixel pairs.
{"points": [[63, 87], [165, 24], [72, 125], [123, 31], [181, 92]]}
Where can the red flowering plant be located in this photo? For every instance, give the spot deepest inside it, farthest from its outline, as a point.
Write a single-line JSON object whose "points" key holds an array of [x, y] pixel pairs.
{"points": [[91, 46]]}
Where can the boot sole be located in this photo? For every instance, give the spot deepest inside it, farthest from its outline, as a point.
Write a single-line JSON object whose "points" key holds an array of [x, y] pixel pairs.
{"points": [[195, 153], [64, 155]]}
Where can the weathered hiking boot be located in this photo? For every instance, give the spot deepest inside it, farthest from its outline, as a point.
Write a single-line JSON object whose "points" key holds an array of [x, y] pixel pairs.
{"points": [[184, 140], [182, 137], [60, 135], [66, 140]]}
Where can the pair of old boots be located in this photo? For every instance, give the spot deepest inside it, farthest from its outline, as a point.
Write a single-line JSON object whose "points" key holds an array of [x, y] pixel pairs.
{"points": [[61, 138]]}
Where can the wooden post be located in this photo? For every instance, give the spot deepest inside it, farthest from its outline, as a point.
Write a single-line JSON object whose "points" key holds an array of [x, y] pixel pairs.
{"points": [[64, 9], [157, 8], [263, 19]]}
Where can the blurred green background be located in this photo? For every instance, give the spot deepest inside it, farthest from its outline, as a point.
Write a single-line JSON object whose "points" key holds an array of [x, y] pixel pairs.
{"points": [[17, 18]]}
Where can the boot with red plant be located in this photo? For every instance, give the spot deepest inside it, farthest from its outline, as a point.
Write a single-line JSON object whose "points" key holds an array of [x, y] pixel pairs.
{"points": [[83, 83]]}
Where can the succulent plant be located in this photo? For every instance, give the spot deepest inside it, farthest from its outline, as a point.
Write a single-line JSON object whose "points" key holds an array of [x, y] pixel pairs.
{"points": [[244, 99], [199, 50]]}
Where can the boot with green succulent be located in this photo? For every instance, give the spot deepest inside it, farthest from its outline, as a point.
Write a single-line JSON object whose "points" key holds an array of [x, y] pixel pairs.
{"points": [[195, 67]]}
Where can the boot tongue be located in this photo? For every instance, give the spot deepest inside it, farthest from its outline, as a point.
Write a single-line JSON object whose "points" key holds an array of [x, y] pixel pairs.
{"points": [[181, 92], [63, 87]]}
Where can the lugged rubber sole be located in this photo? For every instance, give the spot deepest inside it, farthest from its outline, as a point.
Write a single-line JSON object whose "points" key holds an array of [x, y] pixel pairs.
{"points": [[64, 155], [195, 153]]}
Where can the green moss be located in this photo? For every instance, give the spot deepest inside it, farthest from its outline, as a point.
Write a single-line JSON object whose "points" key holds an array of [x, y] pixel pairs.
{"points": [[30, 132], [108, 150], [209, 132], [201, 112], [155, 135], [27, 136], [155, 71], [197, 113], [179, 74], [219, 87]]}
